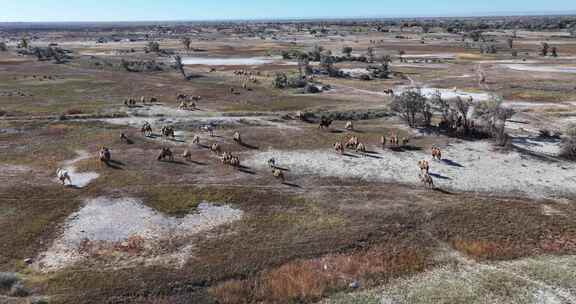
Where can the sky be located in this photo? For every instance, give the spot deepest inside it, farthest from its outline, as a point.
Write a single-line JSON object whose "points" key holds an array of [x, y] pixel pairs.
{"points": [[188, 10]]}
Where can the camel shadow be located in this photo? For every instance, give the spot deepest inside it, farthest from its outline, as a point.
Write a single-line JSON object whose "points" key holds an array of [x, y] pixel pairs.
{"points": [[437, 189], [372, 156], [246, 170], [245, 145], [291, 185], [350, 155], [280, 168], [336, 131], [439, 176], [411, 148], [197, 162], [73, 187], [372, 152], [177, 162], [113, 164], [452, 163]]}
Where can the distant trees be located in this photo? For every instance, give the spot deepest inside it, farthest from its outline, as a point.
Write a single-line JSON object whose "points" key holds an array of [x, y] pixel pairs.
{"points": [[280, 81], [382, 71], [347, 51], [3, 47], [152, 47]]}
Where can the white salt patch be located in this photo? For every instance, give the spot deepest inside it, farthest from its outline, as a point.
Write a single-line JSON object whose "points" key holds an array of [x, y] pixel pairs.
{"points": [[544, 69], [231, 61], [469, 166], [115, 220]]}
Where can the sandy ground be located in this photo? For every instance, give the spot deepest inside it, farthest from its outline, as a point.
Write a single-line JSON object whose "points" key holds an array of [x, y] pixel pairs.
{"points": [[79, 179], [113, 221], [467, 166]]}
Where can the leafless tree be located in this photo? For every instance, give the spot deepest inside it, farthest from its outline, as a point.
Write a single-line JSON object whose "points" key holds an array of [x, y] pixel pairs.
{"points": [[179, 66], [408, 106]]}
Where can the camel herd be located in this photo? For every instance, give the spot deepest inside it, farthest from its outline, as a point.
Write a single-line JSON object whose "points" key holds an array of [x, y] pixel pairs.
{"points": [[132, 101], [351, 142]]}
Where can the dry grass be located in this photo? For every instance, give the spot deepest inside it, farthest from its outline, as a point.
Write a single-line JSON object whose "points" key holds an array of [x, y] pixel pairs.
{"points": [[310, 280]]}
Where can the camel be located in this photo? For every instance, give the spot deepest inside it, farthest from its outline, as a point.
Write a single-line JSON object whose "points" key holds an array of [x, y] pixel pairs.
{"points": [[215, 148], [349, 126], [427, 180], [405, 141], [436, 153], [352, 142], [207, 128], [196, 140], [300, 115], [383, 141], [237, 138], [146, 129], [361, 148], [187, 155], [325, 123], [424, 166], [166, 153], [394, 141], [104, 155], [63, 176], [278, 174], [235, 161], [124, 138], [168, 131], [339, 148], [272, 163]]}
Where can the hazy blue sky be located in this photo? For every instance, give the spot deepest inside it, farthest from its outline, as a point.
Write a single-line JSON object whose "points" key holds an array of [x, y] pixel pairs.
{"points": [[132, 10]]}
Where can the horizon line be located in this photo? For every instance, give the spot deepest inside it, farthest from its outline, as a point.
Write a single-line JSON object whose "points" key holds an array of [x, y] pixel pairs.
{"points": [[398, 16]]}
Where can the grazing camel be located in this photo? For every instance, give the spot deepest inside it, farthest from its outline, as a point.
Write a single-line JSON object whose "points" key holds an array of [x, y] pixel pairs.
{"points": [[215, 148], [272, 163], [427, 180], [349, 126], [424, 166], [339, 148], [436, 153], [146, 129], [237, 138], [325, 123], [63, 176], [187, 155], [166, 153], [104, 155], [278, 174]]}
